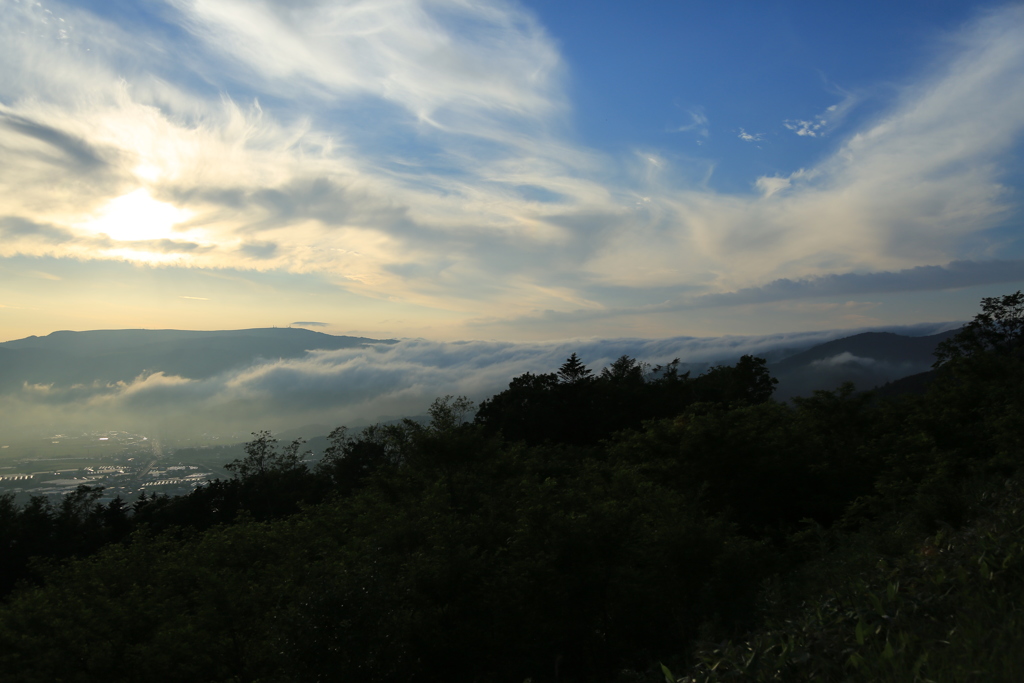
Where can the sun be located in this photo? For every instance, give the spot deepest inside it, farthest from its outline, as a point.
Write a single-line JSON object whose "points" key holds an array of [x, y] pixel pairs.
{"points": [[136, 216]]}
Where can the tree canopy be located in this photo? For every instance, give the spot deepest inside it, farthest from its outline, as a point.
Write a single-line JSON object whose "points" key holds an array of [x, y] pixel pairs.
{"points": [[614, 527], [999, 328]]}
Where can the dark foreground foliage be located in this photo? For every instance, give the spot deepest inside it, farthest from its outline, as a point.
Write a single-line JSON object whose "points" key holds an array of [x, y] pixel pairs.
{"points": [[584, 528]]}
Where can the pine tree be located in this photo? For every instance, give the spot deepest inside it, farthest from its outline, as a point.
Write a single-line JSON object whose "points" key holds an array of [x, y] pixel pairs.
{"points": [[573, 371]]}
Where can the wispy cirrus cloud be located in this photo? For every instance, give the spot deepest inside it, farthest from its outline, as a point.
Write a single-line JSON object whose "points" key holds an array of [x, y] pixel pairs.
{"points": [[698, 124], [403, 51]]}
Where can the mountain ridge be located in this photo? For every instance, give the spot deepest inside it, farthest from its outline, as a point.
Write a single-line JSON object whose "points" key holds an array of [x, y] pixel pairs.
{"points": [[868, 359], [68, 357]]}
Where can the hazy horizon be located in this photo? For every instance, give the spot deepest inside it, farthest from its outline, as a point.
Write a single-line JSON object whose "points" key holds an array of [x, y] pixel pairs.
{"points": [[244, 390], [912, 329]]}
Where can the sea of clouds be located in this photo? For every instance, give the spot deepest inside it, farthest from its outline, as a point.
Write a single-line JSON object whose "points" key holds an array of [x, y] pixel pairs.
{"points": [[354, 386]]}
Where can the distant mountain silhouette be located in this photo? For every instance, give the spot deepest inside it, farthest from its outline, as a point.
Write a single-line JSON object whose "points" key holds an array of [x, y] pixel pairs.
{"points": [[868, 360], [66, 358], [880, 346]]}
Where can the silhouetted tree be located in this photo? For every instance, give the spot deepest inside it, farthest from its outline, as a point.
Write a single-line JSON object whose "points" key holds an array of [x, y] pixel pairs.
{"points": [[625, 369], [262, 457], [999, 328], [573, 371], [749, 381]]}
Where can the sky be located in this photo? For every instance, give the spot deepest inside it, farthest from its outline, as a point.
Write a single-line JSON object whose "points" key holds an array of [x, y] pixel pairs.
{"points": [[513, 171]]}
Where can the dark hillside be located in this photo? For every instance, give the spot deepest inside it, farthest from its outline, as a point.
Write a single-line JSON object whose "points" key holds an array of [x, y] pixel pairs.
{"points": [[868, 360], [885, 347], [911, 384]]}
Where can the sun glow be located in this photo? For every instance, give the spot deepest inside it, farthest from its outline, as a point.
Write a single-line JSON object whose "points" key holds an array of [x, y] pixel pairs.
{"points": [[136, 216]]}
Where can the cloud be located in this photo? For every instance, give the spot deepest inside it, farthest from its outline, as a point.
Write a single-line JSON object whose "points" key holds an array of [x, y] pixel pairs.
{"points": [[806, 128], [310, 324], [161, 246], [827, 121], [194, 298], [421, 154], [83, 158], [350, 385], [750, 137], [405, 52], [844, 358], [769, 185], [698, 123], [18, 229], [259, 250], [921, 278], [788, 295]]}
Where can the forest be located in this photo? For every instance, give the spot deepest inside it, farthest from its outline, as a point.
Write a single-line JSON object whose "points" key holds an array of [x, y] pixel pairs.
{"points": [[624, 525]]}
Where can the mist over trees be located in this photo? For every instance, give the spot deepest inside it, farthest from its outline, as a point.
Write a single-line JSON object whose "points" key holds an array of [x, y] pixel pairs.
{"points": [[635, 523]]}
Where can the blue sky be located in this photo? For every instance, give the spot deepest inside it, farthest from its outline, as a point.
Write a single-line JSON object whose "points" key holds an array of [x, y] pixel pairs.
{"points": [[648, 72], [507, 170]]}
